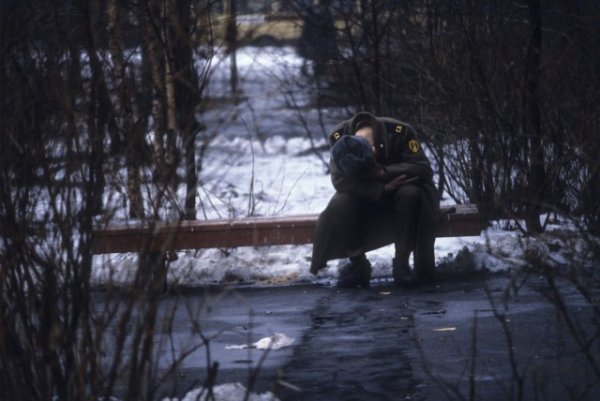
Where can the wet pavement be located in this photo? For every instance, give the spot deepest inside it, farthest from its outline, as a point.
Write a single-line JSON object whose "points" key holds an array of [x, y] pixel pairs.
{"points": [[478, 339]]}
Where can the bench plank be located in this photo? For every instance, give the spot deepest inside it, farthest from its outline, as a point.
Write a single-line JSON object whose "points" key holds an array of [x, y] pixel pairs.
{"points": [[459, 220]]}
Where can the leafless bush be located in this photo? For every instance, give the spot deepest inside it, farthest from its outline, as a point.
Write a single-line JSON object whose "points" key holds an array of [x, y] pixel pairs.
{"points": [[505, 94], [76, 108]]}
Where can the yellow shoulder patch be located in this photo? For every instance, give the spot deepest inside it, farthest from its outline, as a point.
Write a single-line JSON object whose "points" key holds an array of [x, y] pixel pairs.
{"points": [[335, 136], [399, 129], [414, 146]]}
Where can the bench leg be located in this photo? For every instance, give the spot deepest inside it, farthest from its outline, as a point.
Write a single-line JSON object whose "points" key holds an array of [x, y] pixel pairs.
{"points": [[153, 272]]}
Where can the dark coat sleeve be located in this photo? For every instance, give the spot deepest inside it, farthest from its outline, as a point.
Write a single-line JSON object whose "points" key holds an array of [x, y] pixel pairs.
{"points": [[407, 159]]}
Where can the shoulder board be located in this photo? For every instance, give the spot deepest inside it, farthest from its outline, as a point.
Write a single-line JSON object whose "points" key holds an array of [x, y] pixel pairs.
{"points": [[396, 128], [335, 135]]}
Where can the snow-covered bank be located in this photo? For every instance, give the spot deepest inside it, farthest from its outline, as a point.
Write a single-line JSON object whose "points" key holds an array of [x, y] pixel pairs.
{"points": [[262, 164], [277, 177]]}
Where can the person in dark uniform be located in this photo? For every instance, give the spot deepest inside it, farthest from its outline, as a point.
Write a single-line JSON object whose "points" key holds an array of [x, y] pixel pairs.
{"points": [[384, 194], [317, 40]]}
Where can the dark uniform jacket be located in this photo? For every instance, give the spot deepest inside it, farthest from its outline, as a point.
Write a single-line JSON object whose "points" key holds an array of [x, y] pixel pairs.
{"points": [[399, 152]]}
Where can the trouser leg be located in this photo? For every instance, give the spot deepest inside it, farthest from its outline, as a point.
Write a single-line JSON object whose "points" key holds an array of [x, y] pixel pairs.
{"points": [[406, 204], [409, 219], [407, 207], [348, 215]]}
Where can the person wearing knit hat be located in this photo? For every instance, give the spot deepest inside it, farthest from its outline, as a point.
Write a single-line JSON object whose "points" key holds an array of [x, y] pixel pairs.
{"points": [[384, 194]]}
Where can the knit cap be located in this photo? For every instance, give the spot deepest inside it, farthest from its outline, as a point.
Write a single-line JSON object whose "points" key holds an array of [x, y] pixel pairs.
{"points": [[353, 155]]}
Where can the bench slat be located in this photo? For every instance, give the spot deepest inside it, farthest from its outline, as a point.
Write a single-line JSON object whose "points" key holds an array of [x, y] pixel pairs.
{"points": [[251, 231]]}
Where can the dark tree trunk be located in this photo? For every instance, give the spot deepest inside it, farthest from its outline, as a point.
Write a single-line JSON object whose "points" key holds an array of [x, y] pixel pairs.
{"points": [[536, 178], [125, 111], [231, 40]]}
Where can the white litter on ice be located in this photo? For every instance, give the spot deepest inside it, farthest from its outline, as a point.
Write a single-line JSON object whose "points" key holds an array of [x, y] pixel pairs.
{"points": [[225, 392], [274, 342]]}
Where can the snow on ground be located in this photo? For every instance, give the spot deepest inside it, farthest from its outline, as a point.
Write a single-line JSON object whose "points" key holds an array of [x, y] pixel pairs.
{"points": [[259, 165], [281, 182], [225, 392]]}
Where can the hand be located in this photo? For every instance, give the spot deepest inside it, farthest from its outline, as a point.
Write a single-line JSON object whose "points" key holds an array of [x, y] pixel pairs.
{"points": [[397, 182]]}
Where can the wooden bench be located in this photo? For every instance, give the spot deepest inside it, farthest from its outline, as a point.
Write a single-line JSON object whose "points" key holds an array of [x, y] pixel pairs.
{"points": [[459, 220]]}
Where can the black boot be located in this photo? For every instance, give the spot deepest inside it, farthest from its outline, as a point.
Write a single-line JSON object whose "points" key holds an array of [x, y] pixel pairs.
{"points": [[403, 275], [356, 274], [425, 265]]}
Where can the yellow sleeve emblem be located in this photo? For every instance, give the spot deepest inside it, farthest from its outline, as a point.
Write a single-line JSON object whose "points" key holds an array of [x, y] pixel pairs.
{"points": [[414, 146], [399, 129], [335, 136]]}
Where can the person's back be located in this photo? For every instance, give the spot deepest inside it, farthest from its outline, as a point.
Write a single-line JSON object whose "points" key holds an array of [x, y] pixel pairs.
{"points": [[317, 39]]}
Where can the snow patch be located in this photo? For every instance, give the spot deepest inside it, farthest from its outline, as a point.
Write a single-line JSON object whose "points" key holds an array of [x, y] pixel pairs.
{"points": [[225, 392]]}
